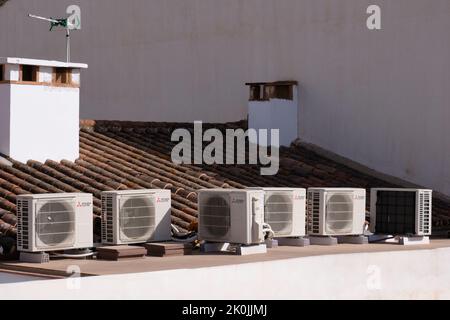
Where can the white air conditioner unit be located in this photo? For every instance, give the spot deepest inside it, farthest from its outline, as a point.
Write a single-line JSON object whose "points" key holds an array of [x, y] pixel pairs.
{"points": [[401, 211], [54, 222], [231, 216], [136, 216], [336, 211], [284, 211]]}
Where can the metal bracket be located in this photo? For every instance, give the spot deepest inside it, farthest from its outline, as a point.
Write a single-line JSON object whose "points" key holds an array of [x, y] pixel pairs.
{"points": [[39, 257], [323, 241], [214, 247], [401, 240], [241, 250], [253, 249], [354, 239], [408, 241], [294, 242], [271, 243]]}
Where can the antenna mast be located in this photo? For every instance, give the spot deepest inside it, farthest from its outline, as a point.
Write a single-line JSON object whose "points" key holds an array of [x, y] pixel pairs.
{"points": [[64, 22]]}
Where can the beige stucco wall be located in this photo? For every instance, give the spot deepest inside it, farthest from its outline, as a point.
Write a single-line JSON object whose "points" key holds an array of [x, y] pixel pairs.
{"points": [[378, 97]]}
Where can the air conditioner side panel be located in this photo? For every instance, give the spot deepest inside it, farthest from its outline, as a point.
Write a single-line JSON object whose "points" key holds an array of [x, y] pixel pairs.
{"points": [[299, 213], [417, 217], [240, 231], [163, 204], [31, 226], [116, 217], [373, 210], [84, 222], [430, 214], [256, 217], [322, 213], [359, 217]]}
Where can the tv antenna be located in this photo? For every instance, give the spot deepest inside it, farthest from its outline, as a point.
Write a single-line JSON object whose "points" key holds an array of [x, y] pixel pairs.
{"points": [[73, 22]]}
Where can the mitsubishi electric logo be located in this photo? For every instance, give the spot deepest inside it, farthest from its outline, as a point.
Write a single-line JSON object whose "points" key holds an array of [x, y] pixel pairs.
{"points": [[83, 204], [237, 200]]}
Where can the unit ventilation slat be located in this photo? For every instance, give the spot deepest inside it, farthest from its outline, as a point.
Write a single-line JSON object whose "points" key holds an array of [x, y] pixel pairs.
{"points": [[22, 224], [313, 208], [107, 218], [424, 212]]}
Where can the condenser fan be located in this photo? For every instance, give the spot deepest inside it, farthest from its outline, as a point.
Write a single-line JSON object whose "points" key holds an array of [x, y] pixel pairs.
{"points": [[55, 223], [278, 213], [216, 216], [137, 218], [339, 213]]}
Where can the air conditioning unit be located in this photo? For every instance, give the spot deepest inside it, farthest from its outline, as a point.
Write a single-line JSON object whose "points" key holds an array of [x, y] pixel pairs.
{"points": [[336, 211], [54, 222], [284, 211], [231, 216], [136, 216], [401, 211]]}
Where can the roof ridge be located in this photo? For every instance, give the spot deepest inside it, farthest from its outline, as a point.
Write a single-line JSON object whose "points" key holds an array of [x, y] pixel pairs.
{"points": [[118, 125]]}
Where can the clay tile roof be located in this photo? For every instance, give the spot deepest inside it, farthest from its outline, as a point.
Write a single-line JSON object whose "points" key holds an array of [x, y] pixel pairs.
{"points": [[132, 155]]}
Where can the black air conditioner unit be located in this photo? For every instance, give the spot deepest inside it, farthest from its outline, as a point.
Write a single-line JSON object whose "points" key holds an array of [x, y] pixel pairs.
{"points": [[401, 211]]}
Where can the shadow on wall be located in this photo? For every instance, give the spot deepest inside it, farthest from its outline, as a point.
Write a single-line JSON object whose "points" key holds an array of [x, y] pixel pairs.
{"points": [[2, 2]]}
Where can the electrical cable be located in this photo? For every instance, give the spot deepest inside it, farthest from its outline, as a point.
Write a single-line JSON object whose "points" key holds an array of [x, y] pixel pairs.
{"points": [[184, 237], [175, 229], [187, 240], [72, 256], [267, 230], [383, 239]]}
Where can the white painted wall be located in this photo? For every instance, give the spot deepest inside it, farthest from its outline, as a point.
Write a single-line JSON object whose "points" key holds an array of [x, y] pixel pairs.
{"points": [[76, 76], [277, 114], [378, 97], [44, 123], [383, 275], [45, 74], [5, 115], [12, 72], [14, 278]]}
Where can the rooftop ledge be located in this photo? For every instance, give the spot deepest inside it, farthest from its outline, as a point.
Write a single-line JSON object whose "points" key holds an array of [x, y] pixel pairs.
{"points": [[42, 63], [374, 271]]}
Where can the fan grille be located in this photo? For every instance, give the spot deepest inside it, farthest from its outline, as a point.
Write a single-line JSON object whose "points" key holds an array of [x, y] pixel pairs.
{"points": [[137, 218], [215, 216], [396, 212], [55, 223], [279, 212], [339, 213]]}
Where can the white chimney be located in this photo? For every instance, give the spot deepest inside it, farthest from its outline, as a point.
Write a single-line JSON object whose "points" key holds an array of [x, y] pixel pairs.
{"points": [[39, 109], [274, 105]]}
